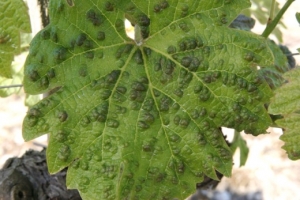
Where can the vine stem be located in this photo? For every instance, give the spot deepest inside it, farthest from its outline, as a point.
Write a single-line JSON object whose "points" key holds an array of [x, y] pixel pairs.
{"points": [[270, 26], [293, 54], [10, 86]]}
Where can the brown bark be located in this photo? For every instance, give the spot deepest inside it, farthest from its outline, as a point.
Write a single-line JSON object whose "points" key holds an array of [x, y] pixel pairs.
{"points": [[27, 178]]}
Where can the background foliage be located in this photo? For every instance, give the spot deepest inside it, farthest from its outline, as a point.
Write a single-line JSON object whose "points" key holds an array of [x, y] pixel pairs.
{"points": [[260, 11], [14, 21]]}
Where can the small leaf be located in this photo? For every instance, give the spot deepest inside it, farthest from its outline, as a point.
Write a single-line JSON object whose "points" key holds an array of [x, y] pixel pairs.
{"points": [[30, 100], [286, 99], [14, 20], [286, 102], [298, 17], [17, 69], [239, 143], [273, 73]]}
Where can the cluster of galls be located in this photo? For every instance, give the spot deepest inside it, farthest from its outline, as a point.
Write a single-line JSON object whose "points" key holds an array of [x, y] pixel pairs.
{"points": [[35, 115], [164, 103], [64, 152], [191, 63], [4, 38], [98, 114], [108, 170], [84, 42], [32, 116], [167, 68], [230, 79], [174, 139], [219, 19], [159, 7], [143, 22], [59, 55], [183, 122], [50, 34], [106, 84], [43, 82], [138, 93], [241, 115], [95, 18], [155, 174], [109, 6], [178, 166], [185, 77], [122, 51], [184, 10], [187, 44], [210, 77], [147, 116], [148, 144], [222, 20], [213, 136]]}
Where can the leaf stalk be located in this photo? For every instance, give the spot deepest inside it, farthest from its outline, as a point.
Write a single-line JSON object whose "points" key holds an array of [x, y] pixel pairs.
{"points": [[272, 12], [273, 23], [10, 86], [293, 54]]}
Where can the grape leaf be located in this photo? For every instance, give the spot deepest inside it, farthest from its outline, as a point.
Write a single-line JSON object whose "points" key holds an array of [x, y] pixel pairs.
{"points": [[17, 69], [125, 115], [286, 102], [273, 73], [14, 20], [239, 142], [298, 17], [30, 100]]}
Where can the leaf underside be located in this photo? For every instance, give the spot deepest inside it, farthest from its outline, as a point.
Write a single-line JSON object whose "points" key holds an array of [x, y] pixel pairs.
{"points": [[286, 103], [131, 119], [14, 20]]}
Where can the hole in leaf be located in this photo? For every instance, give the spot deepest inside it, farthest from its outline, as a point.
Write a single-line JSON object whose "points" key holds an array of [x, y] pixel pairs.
{"points": [[129, 29]]}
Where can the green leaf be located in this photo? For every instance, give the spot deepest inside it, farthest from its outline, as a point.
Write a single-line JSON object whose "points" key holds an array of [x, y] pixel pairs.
{"points": [[298, 17], [286, 102], [273, 73], [14, 20], [127, 117], [30, 100], [17, 69], [286, 99], [239, 142]]}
